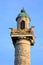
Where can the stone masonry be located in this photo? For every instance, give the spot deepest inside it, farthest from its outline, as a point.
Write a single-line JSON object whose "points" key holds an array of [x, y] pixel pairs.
{"points": [[22, 52], [22, 38]]}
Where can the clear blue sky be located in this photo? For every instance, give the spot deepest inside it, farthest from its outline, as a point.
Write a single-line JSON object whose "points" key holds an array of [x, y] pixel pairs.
{"points": [[9, 10]]}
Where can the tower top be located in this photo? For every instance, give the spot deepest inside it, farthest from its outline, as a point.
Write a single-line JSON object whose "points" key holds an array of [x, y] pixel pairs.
{"points": [[23, 31], [23, 14]]}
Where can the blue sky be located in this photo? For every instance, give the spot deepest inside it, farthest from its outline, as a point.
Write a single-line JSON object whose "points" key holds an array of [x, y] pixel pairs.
{"points": [[9, 10]]}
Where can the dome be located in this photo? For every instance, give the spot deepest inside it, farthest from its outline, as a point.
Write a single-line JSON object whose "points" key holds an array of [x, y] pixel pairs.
{"points": [[22, 14]]}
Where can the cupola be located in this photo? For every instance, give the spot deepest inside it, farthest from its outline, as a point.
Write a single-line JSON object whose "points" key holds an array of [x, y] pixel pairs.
{"points": [[23, 20]]}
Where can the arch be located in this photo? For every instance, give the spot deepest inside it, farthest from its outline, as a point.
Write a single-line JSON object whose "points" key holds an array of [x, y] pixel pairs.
{"points": [[22, 24]]}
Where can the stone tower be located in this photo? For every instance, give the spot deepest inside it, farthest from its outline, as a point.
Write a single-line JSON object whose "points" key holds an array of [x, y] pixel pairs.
{"points": [[23, 38]]}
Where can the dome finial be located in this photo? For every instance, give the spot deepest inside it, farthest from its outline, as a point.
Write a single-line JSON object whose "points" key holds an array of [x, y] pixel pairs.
{"points": [[23, 10]]}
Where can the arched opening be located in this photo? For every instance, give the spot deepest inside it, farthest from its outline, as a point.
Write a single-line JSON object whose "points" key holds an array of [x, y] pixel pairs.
{"points": [[22, 24]]}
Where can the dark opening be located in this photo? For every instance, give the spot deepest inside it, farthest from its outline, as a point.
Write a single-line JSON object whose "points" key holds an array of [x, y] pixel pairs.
{"points": [[22, 24]]}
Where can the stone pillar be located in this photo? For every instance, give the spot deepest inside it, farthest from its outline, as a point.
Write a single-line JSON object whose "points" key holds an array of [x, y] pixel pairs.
{"points": [[22, 52]]}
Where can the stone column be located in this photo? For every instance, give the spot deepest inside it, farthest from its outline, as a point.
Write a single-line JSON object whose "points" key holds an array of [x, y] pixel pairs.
{"points": [[22, 52]]}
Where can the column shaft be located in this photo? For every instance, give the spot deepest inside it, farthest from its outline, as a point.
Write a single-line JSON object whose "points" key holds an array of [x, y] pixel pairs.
{"points": [[22, 52]]}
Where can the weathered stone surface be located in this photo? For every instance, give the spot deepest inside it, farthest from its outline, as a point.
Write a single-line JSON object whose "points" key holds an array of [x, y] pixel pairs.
{"points": [[22, 53]]}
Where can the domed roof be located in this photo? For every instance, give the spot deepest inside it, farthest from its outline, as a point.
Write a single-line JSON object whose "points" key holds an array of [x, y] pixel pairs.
{"points": [[22, 14]]}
